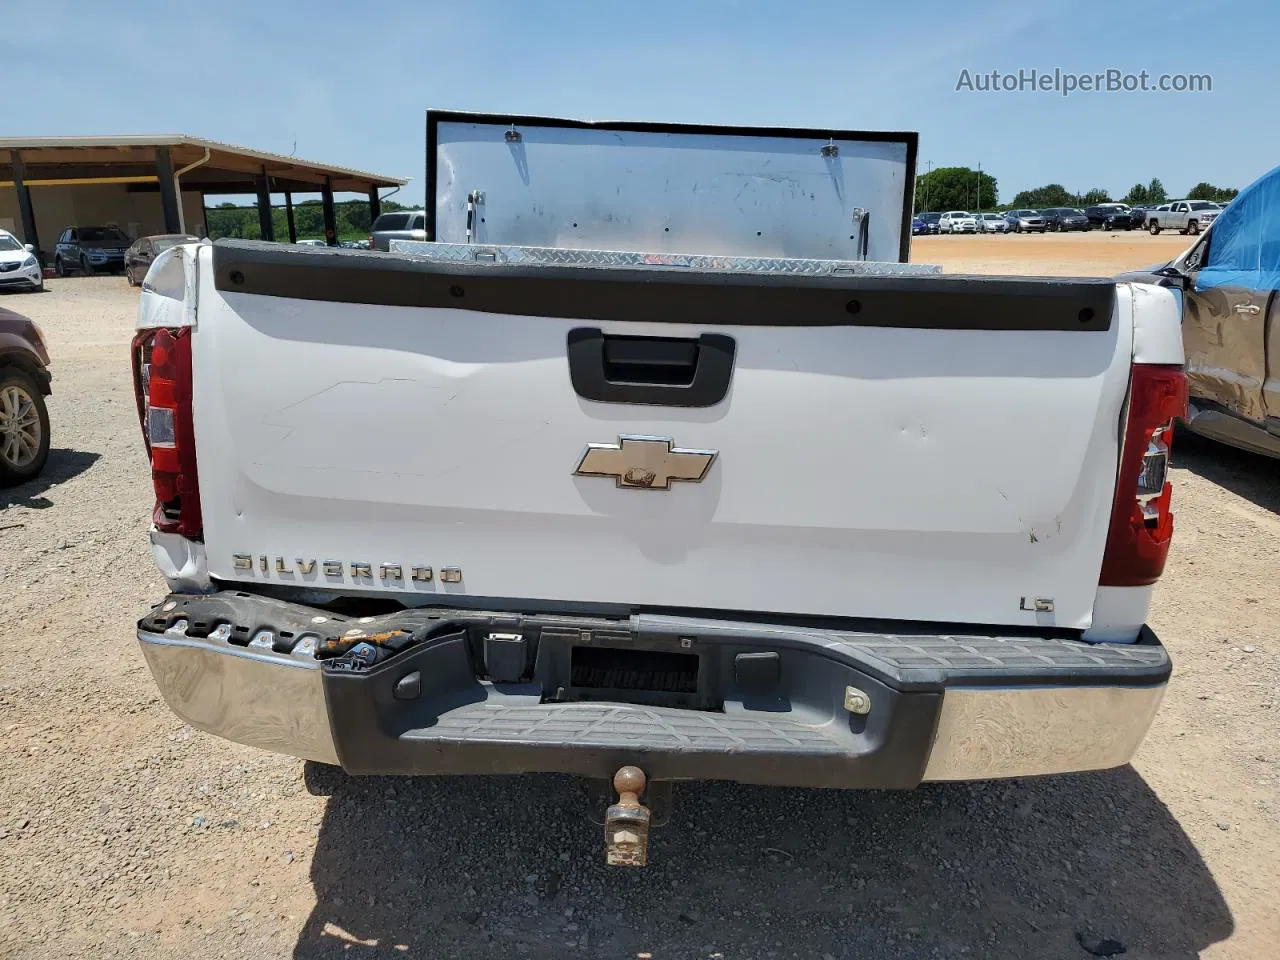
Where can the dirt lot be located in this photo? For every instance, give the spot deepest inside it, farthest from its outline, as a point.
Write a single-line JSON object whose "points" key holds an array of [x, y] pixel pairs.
{"points": [[1050, 254], [125, 833]]}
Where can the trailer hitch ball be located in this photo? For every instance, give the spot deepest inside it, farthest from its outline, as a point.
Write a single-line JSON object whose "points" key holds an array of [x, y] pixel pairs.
{"points": [[626, 823]]}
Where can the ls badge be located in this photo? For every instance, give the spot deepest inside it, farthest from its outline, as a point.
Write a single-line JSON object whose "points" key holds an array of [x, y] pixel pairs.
{"points": [[644, 463]]}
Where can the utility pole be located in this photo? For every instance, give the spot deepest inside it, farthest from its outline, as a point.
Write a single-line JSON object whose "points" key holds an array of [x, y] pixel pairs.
{"points": [[927, 178], [979, 206]]}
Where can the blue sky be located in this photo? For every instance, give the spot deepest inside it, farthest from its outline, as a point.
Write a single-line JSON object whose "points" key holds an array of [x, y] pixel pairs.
{"points": [[349, 82]]}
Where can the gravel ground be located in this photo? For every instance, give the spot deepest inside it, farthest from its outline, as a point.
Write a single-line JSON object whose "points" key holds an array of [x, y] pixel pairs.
{"points": [[125, 833], [1049, 254]]}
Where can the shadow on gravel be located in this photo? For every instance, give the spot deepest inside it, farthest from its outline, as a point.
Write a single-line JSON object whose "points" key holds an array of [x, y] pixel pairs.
{"points": [[501, 867], [1248, 475], [62, 466]]}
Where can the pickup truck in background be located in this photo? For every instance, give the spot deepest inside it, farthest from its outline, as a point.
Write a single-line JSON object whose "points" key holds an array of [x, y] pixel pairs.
{"points": [[1185, 216], [616, 477]]}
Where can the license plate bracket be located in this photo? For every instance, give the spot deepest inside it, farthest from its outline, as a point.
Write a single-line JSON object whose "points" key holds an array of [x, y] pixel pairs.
{"points": [[618, 667]]}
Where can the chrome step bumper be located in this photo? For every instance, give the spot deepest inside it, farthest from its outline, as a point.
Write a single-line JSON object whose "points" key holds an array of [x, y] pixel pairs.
{"points": [[937, 707], [259, 698]]}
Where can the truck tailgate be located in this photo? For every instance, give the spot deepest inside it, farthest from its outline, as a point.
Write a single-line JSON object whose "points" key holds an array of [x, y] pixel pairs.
{"points": [[920, 448]]}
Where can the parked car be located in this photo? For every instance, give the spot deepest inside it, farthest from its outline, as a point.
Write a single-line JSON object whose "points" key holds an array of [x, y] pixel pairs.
{"points": [[1229, 280], [24, 383], [19, 268], [1110, 216], [90, 249], [1064, 219], [958, 221], [992, 223], [401, 225], [138, 258], [1185, 216], [1137, 216], [918, 226], [931, 221], [1025, 221]]}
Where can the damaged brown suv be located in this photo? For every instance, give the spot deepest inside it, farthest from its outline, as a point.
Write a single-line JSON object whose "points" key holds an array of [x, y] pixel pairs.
{"points": [[1230, 284], [24, 383]]}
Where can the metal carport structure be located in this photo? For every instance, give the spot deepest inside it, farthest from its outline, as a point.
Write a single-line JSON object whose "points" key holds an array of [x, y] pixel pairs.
{"points": [[155, 181]]}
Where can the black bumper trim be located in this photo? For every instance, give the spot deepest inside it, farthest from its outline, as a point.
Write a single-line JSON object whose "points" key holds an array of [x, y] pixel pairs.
{"points": [[665, 294], [913, 658]]}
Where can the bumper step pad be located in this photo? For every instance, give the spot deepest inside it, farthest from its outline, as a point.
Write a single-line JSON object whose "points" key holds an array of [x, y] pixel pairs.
{"points": [[955, 659], [622, 726]]}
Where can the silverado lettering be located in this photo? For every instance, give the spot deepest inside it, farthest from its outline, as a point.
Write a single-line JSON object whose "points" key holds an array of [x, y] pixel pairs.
{"points": [[332, 568]]}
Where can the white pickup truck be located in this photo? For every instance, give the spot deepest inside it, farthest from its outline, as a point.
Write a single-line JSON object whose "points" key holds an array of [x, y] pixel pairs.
{"points": [[1185, 216], [657, 459]]}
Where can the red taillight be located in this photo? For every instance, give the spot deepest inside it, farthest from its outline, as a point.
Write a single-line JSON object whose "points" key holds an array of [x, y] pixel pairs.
{"points": [[1141, 519], [162, 385]]}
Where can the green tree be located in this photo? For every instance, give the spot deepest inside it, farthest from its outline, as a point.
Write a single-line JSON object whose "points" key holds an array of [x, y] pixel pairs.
{"points": [[351, 218], [308, 217], [955, 188], [1207, 191], [1094, 197], [1155, 191], [1137, 195], [356, 214], [228, 220], [1050, 195]]}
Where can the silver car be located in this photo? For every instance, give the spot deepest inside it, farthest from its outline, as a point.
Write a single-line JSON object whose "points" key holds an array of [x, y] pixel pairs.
{"points": [[1025, 221], [991, 223], [401, 225]]}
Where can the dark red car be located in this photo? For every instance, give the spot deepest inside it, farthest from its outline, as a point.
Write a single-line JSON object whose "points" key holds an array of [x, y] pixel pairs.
{"points": [[24, 383]]}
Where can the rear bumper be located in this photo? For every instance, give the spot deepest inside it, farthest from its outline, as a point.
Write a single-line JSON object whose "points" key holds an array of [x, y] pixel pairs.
{"points": [[938, 706]]}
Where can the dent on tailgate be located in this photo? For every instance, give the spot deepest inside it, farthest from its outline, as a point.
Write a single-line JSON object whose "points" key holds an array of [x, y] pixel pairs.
{"points": [[890, 461]]}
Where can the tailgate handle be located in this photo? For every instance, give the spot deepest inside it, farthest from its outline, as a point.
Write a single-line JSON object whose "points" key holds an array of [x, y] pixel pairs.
{"points": [[664, 371]]}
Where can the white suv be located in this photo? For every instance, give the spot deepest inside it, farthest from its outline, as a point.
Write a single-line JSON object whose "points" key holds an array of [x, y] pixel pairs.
{"points": [[957, 221], [19, 267]]}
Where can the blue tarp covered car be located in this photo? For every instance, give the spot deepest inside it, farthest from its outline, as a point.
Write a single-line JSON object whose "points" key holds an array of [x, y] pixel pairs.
{"points": [[1230, 283], [1245, 247]]}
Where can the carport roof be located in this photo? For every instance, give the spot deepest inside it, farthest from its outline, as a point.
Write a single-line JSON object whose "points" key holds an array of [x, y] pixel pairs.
{"points": [[228, 169]]}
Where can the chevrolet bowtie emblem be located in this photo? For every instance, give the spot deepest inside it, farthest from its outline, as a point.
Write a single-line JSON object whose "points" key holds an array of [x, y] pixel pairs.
{"points": [[644, 463]]}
